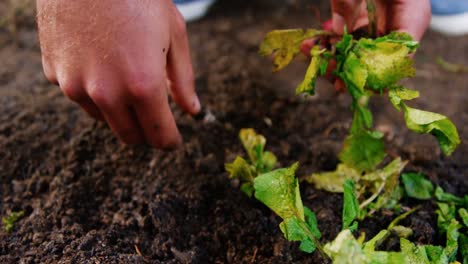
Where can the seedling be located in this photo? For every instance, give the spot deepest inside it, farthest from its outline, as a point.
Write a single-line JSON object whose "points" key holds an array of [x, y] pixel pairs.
{"points": [[368, 67], [9, 221]]}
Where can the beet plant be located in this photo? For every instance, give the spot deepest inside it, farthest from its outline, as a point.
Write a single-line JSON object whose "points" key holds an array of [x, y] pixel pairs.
{"points": [[368, 67]]}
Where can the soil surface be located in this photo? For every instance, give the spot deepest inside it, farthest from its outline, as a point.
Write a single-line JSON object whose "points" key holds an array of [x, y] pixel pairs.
{"points": [[89, 198]]}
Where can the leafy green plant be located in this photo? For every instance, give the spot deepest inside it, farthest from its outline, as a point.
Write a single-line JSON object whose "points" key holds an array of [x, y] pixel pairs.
{"points": [[368, 67], [10, 220], [277, 189]]}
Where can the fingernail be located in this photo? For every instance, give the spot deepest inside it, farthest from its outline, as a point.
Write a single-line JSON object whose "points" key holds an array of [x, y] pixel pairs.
{"points": [[196, 105], [338, 23]]}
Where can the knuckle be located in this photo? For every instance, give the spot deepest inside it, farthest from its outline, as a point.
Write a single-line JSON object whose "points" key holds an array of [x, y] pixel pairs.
{"points": [[73, 91], [99, 96], [141, 87]]}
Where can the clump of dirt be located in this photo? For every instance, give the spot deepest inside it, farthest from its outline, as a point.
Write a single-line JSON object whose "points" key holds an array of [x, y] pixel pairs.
{"points": [[86, 197]]}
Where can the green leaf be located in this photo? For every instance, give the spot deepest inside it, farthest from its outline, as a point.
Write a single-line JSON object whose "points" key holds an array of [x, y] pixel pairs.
{"points": [[387, 62], [400, 38], [463, 244], [333, 181], [286, 44], [240, 169], [445, 215], [354, 73], [417, 186], [445, 197], [253, 143], [452, 240], [308, 84], [10, 220], [296, 230], [345, 45], [413, 254], [363, 151], [247, 188], [463, 215], [350, 207], [436, 254], [279, 190], [397, 94], [441, 127], [311, 221]]}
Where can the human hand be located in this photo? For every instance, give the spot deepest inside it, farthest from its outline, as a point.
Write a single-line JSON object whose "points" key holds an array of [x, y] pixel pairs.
{"points": [[114, 58], [410, 16]]}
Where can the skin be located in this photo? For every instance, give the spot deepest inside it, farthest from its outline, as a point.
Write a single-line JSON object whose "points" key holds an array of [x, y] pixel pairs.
{"points": [[120, 60], [410, 16]]}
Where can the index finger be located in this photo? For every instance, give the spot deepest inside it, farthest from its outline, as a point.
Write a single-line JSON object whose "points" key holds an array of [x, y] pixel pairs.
{"points": [[410, 16]]}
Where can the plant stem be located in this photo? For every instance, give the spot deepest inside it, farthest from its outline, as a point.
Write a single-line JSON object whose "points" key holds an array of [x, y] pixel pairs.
{"points": [[373, 197], [401, 217], [313, 238], [372, 14]]}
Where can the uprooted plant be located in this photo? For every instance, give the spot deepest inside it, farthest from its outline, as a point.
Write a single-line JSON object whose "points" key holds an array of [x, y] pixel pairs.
{"points": [[368, 67]]}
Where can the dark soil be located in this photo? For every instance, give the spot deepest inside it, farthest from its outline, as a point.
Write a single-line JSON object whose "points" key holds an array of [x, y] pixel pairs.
{"points": [[88, 198]]}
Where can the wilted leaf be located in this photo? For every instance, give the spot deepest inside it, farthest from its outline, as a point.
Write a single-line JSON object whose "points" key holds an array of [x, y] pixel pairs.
{"points": [[252, 142], [333, 181], [345, 249], [387, 62], [286, 44], [417, 186], [441, 127], [398, 94], [240, 169], [308, 84]]}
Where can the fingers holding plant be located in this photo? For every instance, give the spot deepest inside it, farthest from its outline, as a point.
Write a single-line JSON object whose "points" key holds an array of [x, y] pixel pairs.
{"points": [[115, 61]]}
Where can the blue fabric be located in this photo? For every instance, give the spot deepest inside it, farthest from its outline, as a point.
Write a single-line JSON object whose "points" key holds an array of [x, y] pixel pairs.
{"points": [[449, 7]]}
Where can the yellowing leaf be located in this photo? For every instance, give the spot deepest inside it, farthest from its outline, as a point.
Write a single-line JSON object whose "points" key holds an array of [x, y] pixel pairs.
{"points": [[399, 93], [386, 62], [279, 190], [308, 84], [333, 181], [239, 168], [286, 44], [253, 143]]}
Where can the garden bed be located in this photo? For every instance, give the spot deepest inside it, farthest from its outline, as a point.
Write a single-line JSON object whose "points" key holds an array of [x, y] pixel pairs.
{"points": [[88, 197]]}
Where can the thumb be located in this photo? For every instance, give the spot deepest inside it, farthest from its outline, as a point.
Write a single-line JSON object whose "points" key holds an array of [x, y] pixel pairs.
{"points": [[345, 13]]}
